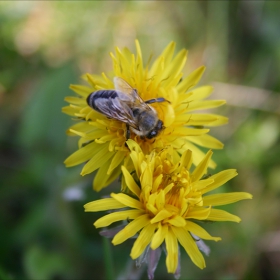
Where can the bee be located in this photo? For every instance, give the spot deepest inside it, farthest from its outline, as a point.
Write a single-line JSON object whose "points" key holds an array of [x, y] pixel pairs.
{"points": [[124, 104]]}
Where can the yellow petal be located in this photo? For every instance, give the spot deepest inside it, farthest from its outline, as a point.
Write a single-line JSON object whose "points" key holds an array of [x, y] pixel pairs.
{"points": [[157, 182], [82, 90], [196, 119], [107, 80], [79, 133], [159, 236], [117, 216], [201, 93], [160, 197], [197, 154], [205, 104], [103, 205], [76, 100], [101, 157], [116, 160], [82, 127], [165, 57], [186, 160], [191, 80], [136, 155], [69, 110], [168, 52], [220, 120], [169, 115], [82, 154], [190, 246], [186, 131], [207, 141], [172, 251], [219, 215], [151, 208], [131, 229], [201, 168], [157, 67], [183, 99], [102, 179], [95, 80], [163, 214], [104, 139], [139, 59], [225, 198], [177, 221], [220, 179], [207, 120], [127, 200], [142, 240], [134, 188], [175, 66], [202, 184], [199, 213], [146, 178], [200, 232]]}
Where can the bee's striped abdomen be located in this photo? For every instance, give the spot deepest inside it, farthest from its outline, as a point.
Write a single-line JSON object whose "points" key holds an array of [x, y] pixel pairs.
{"points": [[98, 96]]}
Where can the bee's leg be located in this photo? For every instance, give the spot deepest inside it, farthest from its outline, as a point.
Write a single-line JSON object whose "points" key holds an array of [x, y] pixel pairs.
{"points": [[127, 132], [154, 100]]}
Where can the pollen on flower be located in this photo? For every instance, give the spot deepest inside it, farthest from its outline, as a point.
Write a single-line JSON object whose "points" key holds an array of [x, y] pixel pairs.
{"points": [[115, 134]]}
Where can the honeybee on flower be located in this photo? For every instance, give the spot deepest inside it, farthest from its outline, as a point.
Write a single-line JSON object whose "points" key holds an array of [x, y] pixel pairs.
{"points": [[124, 104]]}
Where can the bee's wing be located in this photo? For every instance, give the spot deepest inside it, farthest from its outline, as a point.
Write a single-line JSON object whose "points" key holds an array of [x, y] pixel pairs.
{"points": [[120, 107], [129, 94], [117, 109]]}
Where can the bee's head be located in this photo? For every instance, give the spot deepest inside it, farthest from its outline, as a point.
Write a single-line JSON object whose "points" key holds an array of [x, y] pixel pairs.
{"points": [[154, 132]]}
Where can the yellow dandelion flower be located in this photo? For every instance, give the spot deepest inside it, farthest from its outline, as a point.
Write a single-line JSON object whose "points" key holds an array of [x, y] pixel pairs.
{"points": [[163, 203], [102, 143]]}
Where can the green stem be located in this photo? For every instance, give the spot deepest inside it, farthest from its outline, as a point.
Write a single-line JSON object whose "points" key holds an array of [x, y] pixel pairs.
{"points": [[108, 259]]}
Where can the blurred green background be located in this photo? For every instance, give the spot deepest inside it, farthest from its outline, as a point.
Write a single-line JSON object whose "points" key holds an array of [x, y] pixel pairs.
{"points": [[47, 45]]}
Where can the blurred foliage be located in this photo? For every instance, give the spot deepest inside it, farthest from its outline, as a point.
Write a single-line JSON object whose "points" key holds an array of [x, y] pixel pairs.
{"points": [[47, 45]]}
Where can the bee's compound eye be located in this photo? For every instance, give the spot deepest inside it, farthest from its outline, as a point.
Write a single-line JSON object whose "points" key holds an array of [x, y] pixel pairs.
{"points": [[152, 134]]}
